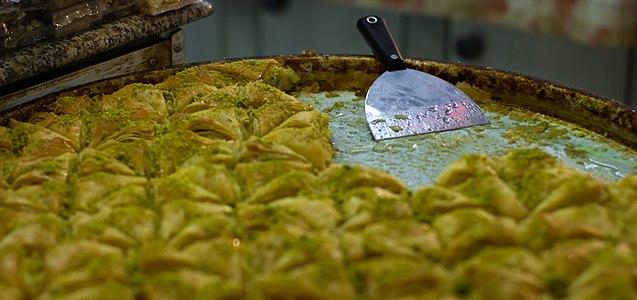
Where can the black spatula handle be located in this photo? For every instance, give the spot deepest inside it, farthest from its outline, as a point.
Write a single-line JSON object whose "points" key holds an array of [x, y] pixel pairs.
{"points": [[376, 33]]}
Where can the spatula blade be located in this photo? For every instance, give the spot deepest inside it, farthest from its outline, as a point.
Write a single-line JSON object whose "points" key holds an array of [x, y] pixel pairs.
{"points": [[409, 102]]}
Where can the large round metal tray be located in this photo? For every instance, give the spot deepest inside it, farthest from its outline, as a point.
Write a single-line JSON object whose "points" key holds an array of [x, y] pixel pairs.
{"points": [[586, 131]]}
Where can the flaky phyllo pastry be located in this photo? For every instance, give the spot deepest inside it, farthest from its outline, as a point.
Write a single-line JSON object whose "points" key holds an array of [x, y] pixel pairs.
{"points": [[217, 184]]}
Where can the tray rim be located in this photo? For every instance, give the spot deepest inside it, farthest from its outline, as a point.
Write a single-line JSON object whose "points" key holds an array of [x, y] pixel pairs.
{"points": [[597, 113]]}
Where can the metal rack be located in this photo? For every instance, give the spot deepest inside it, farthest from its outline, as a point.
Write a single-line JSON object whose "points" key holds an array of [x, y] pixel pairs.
{"points": [[128, 45]]}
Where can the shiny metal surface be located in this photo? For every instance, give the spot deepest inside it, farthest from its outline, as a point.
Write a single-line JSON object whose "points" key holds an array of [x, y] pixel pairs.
{"points": [[409, 102]]}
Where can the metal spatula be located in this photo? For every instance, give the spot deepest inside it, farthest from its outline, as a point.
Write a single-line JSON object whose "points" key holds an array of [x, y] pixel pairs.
{"points": [[403, 101]]}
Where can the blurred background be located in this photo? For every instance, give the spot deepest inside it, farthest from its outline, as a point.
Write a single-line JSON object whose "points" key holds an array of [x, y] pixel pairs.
{"points": [[585, 44]]}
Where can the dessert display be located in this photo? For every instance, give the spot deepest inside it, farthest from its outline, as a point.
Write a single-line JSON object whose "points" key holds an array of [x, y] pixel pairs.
{"points": [[218, 183]]}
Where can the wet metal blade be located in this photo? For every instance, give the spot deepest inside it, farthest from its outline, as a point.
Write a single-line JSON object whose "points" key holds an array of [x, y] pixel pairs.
{"points": [[409, 102]]}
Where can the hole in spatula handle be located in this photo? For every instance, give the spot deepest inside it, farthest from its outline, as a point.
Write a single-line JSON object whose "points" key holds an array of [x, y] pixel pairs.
{"points": [[375, 31]]}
